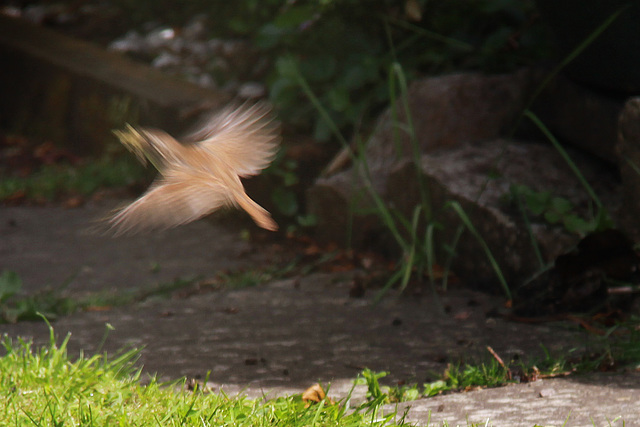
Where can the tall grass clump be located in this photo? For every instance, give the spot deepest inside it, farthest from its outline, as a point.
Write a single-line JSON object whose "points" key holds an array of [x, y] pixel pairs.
{"points": [[414, 236]]}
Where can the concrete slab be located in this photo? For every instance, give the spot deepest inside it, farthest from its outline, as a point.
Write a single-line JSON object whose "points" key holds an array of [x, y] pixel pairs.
{"points": [[283, 336]]}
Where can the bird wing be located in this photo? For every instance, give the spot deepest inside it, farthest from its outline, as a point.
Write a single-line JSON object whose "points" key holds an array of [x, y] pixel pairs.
{"points": [[163, 147], [179, 197], [154, 145], [244, 139]]}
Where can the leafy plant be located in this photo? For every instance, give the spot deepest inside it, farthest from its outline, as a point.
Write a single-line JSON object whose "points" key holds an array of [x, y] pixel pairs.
{"points": [[602, 219], [51, 181], [605, 352], [417, 249], [344, 49], [490, 374], [15, 307], [385, 394], [52, 303], [555, 210]]}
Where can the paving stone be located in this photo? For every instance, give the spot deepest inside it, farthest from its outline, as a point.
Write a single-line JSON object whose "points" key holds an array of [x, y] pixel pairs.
{"points": [[283, 336]]}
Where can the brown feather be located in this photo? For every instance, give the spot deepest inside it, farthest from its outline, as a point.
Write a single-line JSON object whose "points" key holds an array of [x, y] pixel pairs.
{"points": [[204, 175]]}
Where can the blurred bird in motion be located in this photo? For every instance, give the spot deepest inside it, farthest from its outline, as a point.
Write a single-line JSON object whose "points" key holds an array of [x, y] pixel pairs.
{"points": [[203, 174]]}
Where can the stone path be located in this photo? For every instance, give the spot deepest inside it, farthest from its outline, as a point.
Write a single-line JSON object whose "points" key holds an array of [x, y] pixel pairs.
{"points": [[283, 336]]}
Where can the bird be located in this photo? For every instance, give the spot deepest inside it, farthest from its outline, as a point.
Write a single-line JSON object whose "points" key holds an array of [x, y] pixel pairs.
{"points": [[201, 174]]}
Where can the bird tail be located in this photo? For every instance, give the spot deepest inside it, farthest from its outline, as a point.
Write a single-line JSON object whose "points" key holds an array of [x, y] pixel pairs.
{"points": [[259, 214]]}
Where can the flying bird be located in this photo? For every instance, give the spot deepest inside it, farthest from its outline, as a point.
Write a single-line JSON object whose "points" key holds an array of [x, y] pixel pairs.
{"points": [[202, 174]]}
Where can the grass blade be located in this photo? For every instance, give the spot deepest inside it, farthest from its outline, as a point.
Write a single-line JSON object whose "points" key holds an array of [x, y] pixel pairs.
{"points": [[467, 222], [576, 52], [529, 114]]}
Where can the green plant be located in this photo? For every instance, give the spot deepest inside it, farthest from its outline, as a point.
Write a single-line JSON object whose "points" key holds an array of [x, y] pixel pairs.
{"points": [[284, 172], [494, 263], [490, 374], [52, 302], [15, 307], [602, 219], [619, 346], [384, 394], [417, 249], [555, 210], [45, 387], [344, 49], [246, 278], [52, 181]]}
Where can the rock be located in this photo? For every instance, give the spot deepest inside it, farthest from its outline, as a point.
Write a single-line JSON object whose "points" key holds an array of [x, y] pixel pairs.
{"points": [[479, 177], [450, 110], [436, 104], [628, 151], [458, 122], [580, 116], [130, 42], [166, 60], [196, 28]]}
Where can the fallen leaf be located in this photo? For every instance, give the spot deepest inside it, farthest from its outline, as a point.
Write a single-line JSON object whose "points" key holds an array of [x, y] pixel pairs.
{"points": [[98, 308], [73, 202], [315, 393], [463, 315]]}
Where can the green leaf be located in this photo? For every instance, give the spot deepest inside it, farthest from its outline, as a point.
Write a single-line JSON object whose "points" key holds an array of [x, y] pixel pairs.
{"points": [[322, 130], [295, 16], [285, 200], [338, 98], [10, 284], [537, 202], [319, 68], [287, 67], [435, 388], [283, 91], [552, 217], [308, 220], [410, 394], [561, 205], [575, 224], [269, 36]]}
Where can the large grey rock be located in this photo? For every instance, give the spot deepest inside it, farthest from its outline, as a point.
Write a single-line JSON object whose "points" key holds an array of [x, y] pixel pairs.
{"points": [[479, 177], [449, 110], [445, 111], [458, 122]]}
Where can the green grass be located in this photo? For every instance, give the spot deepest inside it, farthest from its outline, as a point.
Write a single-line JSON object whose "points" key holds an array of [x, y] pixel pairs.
{"points": [[619, 347], [52, 302], [52, 181], [44, 387]]}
